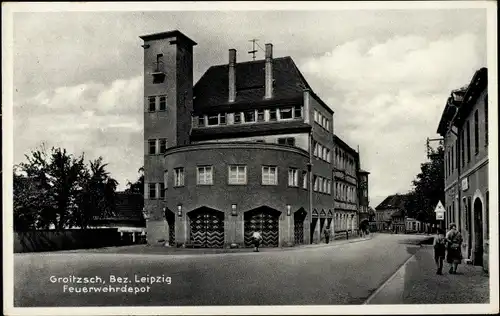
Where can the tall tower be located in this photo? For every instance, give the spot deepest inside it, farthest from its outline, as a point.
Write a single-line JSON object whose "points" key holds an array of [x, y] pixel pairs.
{"points": [[168, 103]]}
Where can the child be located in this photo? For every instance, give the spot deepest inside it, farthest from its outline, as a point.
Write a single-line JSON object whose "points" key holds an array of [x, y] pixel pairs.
{"points": [[439, 250], [257, 239]]}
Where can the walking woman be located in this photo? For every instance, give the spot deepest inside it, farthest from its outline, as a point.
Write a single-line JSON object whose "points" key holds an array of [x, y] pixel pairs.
{"points": [[454, 252]]}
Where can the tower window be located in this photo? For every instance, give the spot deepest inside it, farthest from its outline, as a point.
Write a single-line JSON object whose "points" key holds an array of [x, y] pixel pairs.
{"points": [[293, 177], [269, 175], [159, 63], [152, 191], [290, 141], [152, 146], [163, 145], [152, 104], [237, 175], [179, 177], [205, 175], [163, 103]]}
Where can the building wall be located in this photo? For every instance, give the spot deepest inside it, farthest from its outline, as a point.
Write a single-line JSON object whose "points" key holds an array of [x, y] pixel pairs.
{"points": [[321, 167], [221, 195], [461, 191]]}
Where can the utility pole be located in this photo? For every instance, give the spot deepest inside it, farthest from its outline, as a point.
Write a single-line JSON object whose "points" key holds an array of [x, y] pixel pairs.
{"points": [[253, 51]]}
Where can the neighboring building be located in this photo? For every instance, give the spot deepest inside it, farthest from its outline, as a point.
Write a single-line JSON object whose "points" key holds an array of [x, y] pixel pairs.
{"points": [[346, 193], [128, 216], [464, 127], [415, 226], [249, 147], [390, 214]]}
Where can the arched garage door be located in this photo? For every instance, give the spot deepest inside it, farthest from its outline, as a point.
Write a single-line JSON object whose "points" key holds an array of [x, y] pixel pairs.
{"points": [[265, 220], [207, 228]]}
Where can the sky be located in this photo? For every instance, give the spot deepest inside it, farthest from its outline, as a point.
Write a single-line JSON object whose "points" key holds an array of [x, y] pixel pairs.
{"points": [[386, 73]]}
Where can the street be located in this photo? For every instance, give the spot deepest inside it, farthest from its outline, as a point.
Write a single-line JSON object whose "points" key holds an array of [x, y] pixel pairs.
{"points": [[338, 274]]}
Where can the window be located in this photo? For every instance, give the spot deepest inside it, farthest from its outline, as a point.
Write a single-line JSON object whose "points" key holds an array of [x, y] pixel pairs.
{"points": [[179, 177], [213, 120], [290, 141], [152, 190], [286, 114], [159, 63], [152, 146], [165, 179], [315, 148], [162, 190], [452, 162], [315, 183], [324, 153], [486, 120], [293, 177], [204, 175], [259, 141], [237, 175], [260, 115], [152, 104], [325, 185], [315, 115], [237, 118], [222, 119], [328, 155], [249, 116], [269, 175], [476, 132], [304, 179], [468, 141], [462, 149], [163, 103], [201, 120], [163, 145], [272, 115], [297, 111], [329, 187]]}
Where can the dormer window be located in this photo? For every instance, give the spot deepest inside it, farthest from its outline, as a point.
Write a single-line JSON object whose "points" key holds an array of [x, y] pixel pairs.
{"points": [[272, 115], [237, 118], [297, 111], [201, 121], [222, 119], [286, 114], [260, 115], [249, 116]]}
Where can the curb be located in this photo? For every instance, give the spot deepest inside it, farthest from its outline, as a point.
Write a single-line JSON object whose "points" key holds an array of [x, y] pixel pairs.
{"points": [[380, 288]]}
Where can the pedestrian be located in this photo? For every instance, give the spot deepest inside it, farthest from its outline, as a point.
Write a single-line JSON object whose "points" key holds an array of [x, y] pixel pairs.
{"points": [[454, 252], [257, 239], [439, 250], [327, 235]]}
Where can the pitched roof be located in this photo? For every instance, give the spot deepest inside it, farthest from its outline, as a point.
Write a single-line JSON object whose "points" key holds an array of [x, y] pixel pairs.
{"points": [[212, 90], [392, 202]]}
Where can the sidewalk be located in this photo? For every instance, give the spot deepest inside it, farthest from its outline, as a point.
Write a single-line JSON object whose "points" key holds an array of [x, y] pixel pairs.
{"points": [[162, 250], [417, 283]]}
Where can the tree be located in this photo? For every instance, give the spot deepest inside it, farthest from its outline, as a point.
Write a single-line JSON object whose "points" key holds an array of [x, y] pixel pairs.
{"points": [[428, 188], [96, 198], [56, 189], [137, 186]]}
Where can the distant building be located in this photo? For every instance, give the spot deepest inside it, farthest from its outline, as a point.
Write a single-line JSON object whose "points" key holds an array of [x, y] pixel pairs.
{"points": [[390, 214], [249, 147], [415, 226], [128, 217], [464, 127]]}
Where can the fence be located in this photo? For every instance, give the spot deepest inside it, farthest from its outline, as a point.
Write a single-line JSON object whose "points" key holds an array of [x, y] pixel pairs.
{"points": [[51, 240]]}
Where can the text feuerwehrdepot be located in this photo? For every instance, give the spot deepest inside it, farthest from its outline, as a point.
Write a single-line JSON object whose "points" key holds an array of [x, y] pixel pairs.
{"points": [[110, 284]]}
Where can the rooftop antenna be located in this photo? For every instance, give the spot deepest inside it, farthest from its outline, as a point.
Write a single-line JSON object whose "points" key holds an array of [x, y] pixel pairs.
{"points": [[253, 51]]}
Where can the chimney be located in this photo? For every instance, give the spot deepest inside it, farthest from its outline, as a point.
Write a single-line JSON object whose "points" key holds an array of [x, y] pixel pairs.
{"points": [[232, 75], [269, 72]]}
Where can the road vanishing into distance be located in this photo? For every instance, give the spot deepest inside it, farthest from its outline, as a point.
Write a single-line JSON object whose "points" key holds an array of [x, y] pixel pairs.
{"points": [[324, 275]]}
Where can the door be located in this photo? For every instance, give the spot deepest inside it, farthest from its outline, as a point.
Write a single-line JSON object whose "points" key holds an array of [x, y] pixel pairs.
{"points": [[265, 220], [170, 217], [298, 227], [478, 232], [207, 228]]}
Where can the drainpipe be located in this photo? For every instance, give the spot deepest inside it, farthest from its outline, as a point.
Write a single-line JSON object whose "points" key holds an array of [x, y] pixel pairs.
{"points": [[458, 185], [309, 171]]}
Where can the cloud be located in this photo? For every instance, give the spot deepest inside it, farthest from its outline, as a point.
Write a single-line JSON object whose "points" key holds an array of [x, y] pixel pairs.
{"points": [[388, 97], [91, 118]]}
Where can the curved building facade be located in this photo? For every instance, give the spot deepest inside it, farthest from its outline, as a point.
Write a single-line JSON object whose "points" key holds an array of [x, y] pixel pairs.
{"points": [[249, 147]]}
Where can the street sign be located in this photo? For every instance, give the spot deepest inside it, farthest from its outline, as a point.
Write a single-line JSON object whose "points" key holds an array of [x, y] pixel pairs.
{"points": [[439, 210]]}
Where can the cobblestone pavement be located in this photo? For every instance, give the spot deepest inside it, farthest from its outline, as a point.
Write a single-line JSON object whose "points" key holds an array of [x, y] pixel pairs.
{"points": [[417, 283], [323, 275]]}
